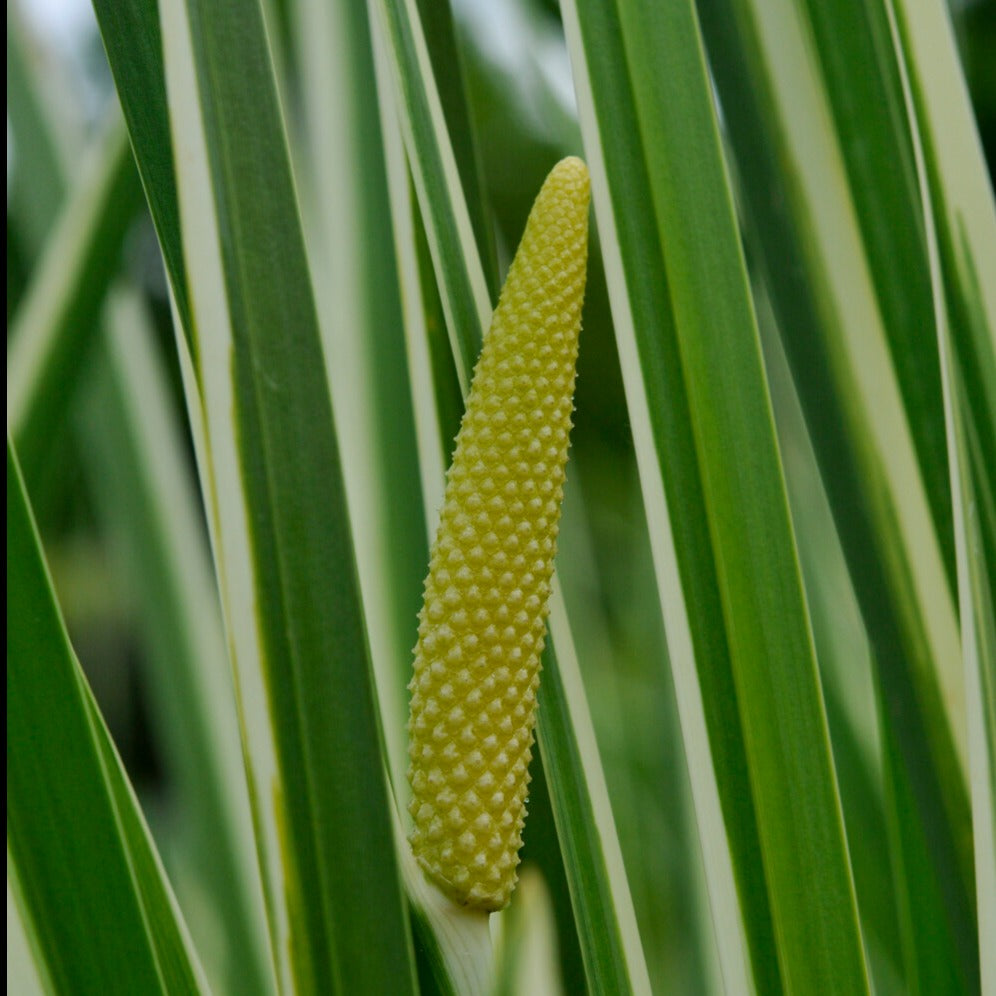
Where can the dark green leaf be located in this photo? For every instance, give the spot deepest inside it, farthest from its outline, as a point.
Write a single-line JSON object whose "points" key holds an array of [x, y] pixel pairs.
{"points": [[90, 883]]}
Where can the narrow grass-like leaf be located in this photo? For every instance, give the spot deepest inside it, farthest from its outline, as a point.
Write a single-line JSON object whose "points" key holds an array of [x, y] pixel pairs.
{"points": [[528, 118], [446, 56], [845, 668], [463, 288], [977, 594], [134, 46], [814, 261], [90, 885], [731, 455], [957, 295], [58, 318], [436, 422], [603, 908], [278, 514], [858, 63], [965, 217], [928, 946], [858, 52], [596, 876], [348, 233], [542, 849], [896, 233]]}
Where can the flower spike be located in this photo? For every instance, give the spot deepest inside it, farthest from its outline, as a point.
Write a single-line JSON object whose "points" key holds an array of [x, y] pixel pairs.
{"points": [[483, 621]]}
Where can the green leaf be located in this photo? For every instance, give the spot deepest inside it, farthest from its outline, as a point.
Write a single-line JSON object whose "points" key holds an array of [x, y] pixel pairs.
{"points": [[603, 913], [713, 746], [977, 596], [348, 233], [463, 288], [965, 221], [257, 387], [811, 252], [928, 945], [733, 605], [966, 330], [96, 904], [446, 57], [434, 383], [845, 669], [58, 317], [133, 43], [858, 62]]}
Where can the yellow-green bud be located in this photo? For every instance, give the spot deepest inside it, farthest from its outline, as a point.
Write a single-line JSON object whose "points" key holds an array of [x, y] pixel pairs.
{"points": [[482, 624]]}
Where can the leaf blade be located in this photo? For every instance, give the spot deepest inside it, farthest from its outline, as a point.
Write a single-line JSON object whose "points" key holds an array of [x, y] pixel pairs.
{"points": [[966, 323], [284, 553], [56, 321], [813, 257], [99, 905], [706, 298]]}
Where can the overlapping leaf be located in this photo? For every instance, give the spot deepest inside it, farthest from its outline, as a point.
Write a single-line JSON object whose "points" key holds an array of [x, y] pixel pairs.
{"points": [[738, 628]]}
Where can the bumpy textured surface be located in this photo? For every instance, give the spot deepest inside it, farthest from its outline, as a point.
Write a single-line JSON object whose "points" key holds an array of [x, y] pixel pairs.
{"points": [[482, 625]]}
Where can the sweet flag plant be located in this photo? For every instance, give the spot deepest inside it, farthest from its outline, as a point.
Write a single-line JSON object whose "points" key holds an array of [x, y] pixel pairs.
{"points": [[767, 715]]}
